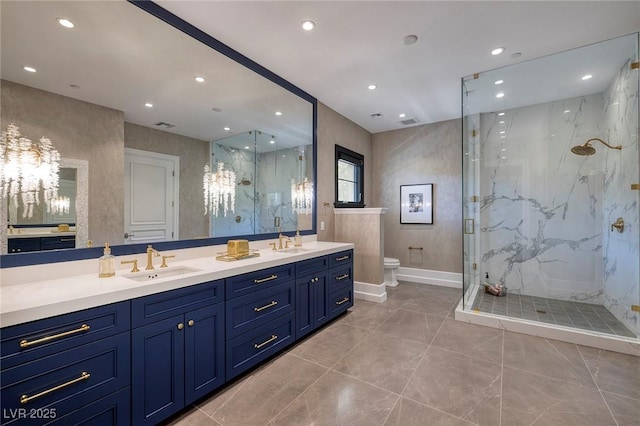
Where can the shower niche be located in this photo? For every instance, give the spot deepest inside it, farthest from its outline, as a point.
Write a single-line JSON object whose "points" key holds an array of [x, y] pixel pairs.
{"points": [[550, 157]]}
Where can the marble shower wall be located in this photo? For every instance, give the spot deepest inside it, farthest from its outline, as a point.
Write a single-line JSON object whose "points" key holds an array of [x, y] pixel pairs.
{"points": [[541, 207], [244, 165], [622, 250]]}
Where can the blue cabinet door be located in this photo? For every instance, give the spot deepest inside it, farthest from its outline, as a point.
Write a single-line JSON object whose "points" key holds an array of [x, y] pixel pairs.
{"points": [[157, 370], [320, 300], [312, 302], [204, 351]]}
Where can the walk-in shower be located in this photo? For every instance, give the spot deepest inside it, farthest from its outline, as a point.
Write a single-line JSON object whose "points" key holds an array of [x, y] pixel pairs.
{"points": [[556, 225]]}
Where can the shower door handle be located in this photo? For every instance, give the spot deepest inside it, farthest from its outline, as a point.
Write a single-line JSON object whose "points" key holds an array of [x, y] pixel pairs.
{"points": [[469, 226]]}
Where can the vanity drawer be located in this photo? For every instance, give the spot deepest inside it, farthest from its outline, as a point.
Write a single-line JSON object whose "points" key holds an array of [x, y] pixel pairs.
{"points": [[340, 301], [254, 281], [252, 310], [68, 380], [149, 309], [27, 342], [340, 278], [255, 346], [111, 410], [55, 243], [340, 258], [307, 267]]}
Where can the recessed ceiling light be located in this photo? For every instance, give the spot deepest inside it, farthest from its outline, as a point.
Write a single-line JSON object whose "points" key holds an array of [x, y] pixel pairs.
{"points": [[372, 87], [216, 109], [503, 149], [65, 22], [29, 69], [199, 79], [502, 137], [502, 132], [497, 51], [402, 115], [278, 113], [501, 121], [500, 114], [308, 25], [500, 95], [504, 158], [246, 147], [226, 129], [566, 111], [410, 39], [498, 82], [587, 77], [74, 86], [272, 141], [148, 105], [516, 55]]}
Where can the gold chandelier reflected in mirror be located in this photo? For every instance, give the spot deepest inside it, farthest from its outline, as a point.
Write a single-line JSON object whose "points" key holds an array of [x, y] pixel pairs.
{"points": [[28, 169], [219, 190]]}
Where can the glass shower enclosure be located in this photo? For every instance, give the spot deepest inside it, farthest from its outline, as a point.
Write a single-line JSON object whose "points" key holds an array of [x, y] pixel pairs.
{"points": [[551, 190]]}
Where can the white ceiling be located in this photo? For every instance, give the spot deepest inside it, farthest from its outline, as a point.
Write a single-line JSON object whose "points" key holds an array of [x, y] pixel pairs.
{"points": [[357, 43]]}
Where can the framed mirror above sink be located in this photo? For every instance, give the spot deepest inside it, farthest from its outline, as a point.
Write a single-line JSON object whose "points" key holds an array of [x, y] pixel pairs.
{"points": [[132, 75]]}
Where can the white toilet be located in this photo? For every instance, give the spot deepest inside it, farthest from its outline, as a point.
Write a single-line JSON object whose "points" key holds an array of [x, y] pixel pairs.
{"points": [[391, 266]]}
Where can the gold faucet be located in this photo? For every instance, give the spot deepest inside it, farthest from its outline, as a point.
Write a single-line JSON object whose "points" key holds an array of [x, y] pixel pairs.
{"points": [[285, 238], [150, 252]]}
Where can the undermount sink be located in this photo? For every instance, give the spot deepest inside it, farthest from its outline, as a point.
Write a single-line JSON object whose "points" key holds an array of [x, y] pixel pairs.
{"points": [[293, 250], [160, 273]]}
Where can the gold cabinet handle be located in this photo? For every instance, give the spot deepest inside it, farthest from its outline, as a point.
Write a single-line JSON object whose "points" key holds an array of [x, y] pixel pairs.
{"points": [[260, 281], [26, 343], [340, 259], [262, 308], [180, 326], [191, 322], [84, 376], [271, 339], [342, 277], [345, 300]]}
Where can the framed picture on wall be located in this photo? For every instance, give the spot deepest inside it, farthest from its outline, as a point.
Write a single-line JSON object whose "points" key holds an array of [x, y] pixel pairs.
{"points": [[416, 204]]}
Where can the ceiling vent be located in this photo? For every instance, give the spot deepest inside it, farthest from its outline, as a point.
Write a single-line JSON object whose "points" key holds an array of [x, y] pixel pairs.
{"points": [[409, 121], [376, 115], [164, 125]]}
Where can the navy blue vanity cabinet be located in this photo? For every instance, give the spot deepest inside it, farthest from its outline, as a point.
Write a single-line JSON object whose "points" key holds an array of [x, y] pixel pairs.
{"points": [[260, 316], [22, 245], [312, 294], [56, 243], [340, 282], [177, 349], [55, 367]]}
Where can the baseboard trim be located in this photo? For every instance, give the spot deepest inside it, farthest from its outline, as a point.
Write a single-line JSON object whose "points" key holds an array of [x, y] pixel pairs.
{"points": [[428, 276], [370, 292]]}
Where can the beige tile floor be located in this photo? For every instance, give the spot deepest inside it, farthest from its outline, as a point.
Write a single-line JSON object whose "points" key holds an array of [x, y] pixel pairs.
{"points": [[408, 362]]}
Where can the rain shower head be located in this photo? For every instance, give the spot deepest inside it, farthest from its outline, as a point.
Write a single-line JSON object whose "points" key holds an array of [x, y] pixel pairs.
{"points": [[244, 181], [587, 149]]}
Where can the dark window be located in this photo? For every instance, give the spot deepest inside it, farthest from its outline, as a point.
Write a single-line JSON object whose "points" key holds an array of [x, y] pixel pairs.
{"points": [[349, 178]]}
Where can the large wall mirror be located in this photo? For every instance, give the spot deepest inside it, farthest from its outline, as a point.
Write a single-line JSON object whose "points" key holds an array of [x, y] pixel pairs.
{"points": [[221, 147]]}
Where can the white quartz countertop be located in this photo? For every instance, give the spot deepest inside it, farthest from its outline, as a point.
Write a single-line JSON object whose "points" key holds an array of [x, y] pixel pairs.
{"points": [[29, 301]]}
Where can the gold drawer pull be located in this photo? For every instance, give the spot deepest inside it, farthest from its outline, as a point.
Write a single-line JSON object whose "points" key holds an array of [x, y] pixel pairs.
{"points": [[84, 376], [340, 259], [261, 308], [271, 339], [26, 344], [272, 277], [342, 277], [345, 300]]}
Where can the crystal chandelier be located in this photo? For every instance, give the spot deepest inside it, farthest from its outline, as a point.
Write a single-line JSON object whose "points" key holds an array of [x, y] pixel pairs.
{"points": [[60, 205], [302, 189], [219, 190], [302, 196], [27, 169]]}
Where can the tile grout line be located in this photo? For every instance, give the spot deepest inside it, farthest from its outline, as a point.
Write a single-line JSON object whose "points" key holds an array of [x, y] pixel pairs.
{"points": [[597, 386]]}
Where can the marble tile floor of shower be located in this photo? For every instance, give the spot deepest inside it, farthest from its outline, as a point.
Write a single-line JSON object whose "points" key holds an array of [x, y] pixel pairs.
{"points": [[584, 316], [408, 362]]}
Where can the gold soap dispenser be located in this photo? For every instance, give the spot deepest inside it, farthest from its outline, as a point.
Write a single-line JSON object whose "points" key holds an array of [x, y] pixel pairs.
{"points": [[107, 263]]}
